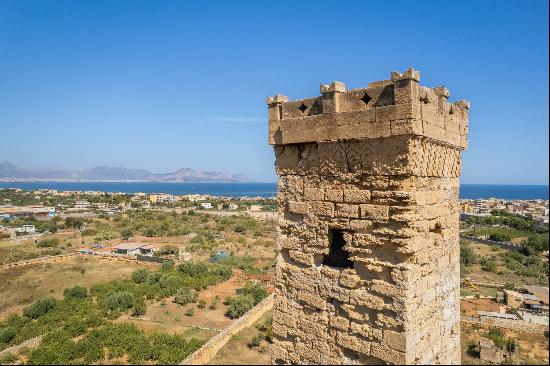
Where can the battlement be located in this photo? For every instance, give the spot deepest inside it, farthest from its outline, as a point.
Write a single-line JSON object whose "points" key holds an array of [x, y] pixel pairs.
{"points": [[399, 106]]}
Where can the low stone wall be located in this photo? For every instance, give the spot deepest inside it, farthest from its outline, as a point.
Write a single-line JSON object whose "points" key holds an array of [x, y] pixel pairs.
{"points": [[515, 325], [35, 261], [29, 343], [209, 350], [503, 244]]}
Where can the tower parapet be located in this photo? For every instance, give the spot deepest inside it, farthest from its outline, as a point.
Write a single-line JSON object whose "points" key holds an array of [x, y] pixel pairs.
{"points": [[399, 106]]}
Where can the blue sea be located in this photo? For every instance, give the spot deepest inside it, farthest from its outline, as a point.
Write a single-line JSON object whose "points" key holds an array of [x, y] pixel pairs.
{"points": [[472, 191]]}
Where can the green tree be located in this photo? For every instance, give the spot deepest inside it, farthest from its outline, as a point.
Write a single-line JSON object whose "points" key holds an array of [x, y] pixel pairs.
{"points": [[119, 301], [239, 306], [126, 233], [467, 255], [140, 275], [500, 236], [185, 296]]}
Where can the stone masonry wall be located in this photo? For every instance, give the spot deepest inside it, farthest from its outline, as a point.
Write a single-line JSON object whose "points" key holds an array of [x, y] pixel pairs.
{"points": [[386, 181]]}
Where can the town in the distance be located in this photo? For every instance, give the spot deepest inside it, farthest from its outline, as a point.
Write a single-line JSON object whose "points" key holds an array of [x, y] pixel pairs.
{"points": [[94, 274]]}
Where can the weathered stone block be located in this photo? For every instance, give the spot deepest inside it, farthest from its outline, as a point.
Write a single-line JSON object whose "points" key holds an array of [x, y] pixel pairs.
{"points": [[356, 196], [347, 211], [375, 212]]}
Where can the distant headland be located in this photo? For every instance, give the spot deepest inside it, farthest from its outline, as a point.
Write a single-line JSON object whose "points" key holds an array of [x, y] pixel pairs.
{"points": [[12, 173]]}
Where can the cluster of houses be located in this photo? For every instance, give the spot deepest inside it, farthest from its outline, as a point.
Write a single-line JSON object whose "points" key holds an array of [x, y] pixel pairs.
{"points": [[12, 233], [538, 209], [134, 249], [9, 211], [131, 249], [535, 299]]}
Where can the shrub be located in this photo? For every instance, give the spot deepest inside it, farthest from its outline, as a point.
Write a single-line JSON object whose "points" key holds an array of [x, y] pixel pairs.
{"points": [[497, 337], [139, 308], [153, 278], [75, 327], [499, 236], [48, 243], [8, 358], [150, 232], [190, 312], [185, 295], [202, 304], [89, 232], [488, 264], [168, 250], [7, 334], [267, 329], [467, 256], [215, 303], [250, 295], [472, 349], [239, 306], [73, 223], [39, 307], [119, 301], [167, 265], [256, 340], [536, 243], [140, 275], [77, 292], [224, 272], [126, 233], [256, 290], [193, 269]]}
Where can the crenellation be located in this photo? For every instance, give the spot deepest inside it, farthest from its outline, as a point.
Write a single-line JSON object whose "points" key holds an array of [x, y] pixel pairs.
{"points": [[367, 268], [367, 113]]}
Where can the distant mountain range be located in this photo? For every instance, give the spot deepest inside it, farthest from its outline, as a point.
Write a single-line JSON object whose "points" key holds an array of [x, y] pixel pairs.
{"points": [[12, 173]]}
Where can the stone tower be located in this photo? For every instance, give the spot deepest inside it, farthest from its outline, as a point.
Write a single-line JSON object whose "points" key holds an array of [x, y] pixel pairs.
{"points": [[367, 267]]}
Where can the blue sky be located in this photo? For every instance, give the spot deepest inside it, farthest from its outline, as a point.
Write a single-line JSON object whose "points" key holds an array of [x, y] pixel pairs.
{"points": [[167, 84]]}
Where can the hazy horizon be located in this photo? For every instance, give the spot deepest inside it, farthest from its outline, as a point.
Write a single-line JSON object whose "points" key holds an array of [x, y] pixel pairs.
{"points": [[235, 173], [168, 85]]}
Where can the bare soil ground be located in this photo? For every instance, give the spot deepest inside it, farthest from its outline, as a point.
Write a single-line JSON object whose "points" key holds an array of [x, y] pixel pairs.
{"points": [[21, 286], [238, 352], [469, 307]]}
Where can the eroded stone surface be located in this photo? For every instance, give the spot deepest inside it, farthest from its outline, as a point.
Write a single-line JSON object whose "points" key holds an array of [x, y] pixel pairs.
{"points": [[379, 168]]}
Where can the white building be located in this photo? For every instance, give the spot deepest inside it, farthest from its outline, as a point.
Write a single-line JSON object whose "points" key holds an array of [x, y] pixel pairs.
{"points": [[26, 229], [206, 205], [82, 204], [134, 249]]}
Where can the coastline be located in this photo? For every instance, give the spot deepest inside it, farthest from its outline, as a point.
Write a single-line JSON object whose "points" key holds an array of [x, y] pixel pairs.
{"points": [[258, 189]]}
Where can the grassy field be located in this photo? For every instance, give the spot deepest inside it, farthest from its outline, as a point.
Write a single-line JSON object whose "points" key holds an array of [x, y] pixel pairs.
{"points": [[13, 250], [21, 286], [481, 231], [501, 273]]}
